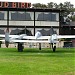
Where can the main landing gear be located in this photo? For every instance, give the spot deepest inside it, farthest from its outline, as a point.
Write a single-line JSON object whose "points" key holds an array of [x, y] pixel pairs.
{"points": [[20, 47], [53, 47], [39, 46]]}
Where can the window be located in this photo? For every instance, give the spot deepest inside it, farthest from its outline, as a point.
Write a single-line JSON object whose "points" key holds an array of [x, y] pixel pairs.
{"points": [[22, 16], [46, 16], [1, 16]]}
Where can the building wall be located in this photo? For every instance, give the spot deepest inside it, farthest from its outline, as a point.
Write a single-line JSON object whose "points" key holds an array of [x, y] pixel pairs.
{"points": [[29, 23], [27, 18]]}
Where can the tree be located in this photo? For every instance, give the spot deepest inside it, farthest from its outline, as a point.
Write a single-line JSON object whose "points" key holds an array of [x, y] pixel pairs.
{"points": [[39, 5], [68, 5], [50, 5], [43, 6], [60, 6], [55, 5]]}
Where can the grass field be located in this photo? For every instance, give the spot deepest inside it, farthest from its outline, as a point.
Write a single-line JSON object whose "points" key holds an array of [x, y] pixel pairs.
{"points": [[35, 62]]}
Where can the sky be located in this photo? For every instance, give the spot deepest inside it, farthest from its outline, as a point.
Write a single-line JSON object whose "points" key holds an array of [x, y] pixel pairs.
{"points": [[42, 1]]}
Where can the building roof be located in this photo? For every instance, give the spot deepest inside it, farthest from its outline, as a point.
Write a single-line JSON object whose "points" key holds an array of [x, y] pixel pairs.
{"points": [[31, 9]]}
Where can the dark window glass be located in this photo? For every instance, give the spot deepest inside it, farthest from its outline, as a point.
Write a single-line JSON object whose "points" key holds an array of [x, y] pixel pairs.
{"points": [[40, 16], [53, 17], [46, 16], [27, 16], [1, 16], [20, 16]]}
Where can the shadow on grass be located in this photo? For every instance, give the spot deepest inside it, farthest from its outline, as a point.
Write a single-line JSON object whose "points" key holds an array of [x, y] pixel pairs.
{"points": [[33, 52], [36, 50], [47, 50]]}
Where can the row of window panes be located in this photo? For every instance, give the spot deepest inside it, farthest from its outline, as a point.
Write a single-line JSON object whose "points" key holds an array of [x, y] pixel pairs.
{"points": [[39, 16], [29, 31]]}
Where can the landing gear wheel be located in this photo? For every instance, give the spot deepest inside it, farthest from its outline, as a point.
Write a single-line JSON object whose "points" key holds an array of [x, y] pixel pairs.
{"points": [[39, 46], [54, 48], [20, 47]]}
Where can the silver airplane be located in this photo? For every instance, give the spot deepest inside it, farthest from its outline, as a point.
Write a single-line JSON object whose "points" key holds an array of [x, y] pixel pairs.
{"points": [[38, 38]]}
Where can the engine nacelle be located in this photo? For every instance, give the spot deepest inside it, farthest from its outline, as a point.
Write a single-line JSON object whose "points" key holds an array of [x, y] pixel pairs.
{"points": [[53, 39], [6, 44], [38, 34]]}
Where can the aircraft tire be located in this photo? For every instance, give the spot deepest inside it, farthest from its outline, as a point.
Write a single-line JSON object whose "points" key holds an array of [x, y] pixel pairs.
{"points": [[54, 48]]}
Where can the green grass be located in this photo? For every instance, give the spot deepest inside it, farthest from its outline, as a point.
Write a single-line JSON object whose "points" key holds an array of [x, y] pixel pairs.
{"points": [[35, 62]]}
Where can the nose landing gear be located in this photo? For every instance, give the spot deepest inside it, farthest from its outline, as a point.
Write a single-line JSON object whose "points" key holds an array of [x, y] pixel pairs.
{"points": [[53, 47]]}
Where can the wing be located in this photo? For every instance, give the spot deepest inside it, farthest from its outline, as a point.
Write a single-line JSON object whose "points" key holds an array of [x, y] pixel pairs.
{"points": [[11, 36], [31, 41], [65, 36], [2, 40], [29, 37], [44, 37], [18, 36], [1, 35], [33, 37], [25, 37]]}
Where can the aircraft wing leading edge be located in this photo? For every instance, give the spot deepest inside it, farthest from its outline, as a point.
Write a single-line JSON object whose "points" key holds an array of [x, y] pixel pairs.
{"points": [[31, 41], [25, 37], [11, 36], [33, 37], [41, 37]]}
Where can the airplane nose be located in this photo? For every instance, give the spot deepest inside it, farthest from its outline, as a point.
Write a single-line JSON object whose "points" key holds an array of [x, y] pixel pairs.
{"points": [[7, 44]]}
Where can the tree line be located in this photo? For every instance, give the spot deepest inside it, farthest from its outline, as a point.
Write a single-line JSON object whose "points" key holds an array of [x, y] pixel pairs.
{"points": [[67, 6]]}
